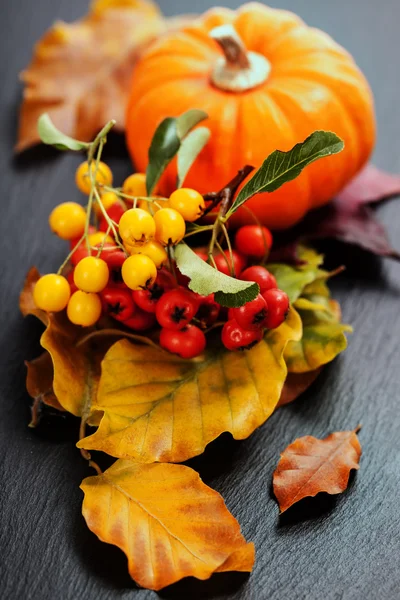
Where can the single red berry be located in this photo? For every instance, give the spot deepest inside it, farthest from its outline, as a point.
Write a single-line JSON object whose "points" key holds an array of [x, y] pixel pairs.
{"points": [[141, 320], [176, 308], [115, 258], [118, 303], [278, 308], [235, 337], [251, 315], [223, 262], [82, 252], [147, 299], [253, 240], [115, 213], [70, 279], [259, 275], [74, 241], [208, 311], [187, 342], [201, 255]]}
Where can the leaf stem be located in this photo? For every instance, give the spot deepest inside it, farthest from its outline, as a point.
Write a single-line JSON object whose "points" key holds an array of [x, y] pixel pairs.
{"points": [[84, 453], [74, 249], [100, 139]]}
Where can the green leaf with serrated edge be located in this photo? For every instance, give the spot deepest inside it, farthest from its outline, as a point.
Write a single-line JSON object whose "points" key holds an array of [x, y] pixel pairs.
{"points": [[189, 119], [205, 280], [166, 143], [281, 167], [190, 148], [50, 135]]}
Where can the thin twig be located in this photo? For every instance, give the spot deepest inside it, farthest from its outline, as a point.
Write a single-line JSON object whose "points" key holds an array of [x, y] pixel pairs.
{"points": [[232, 186]]}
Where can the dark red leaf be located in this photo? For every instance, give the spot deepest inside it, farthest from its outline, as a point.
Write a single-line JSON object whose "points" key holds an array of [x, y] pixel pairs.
{"points": [[350, 217]]}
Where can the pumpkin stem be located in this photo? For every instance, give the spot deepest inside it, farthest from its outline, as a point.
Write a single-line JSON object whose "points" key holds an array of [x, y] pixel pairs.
{"points": [[238, 70]]}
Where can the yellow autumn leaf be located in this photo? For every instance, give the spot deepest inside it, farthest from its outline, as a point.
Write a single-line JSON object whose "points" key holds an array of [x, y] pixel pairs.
{"points": [[167, 521], [80, 72], [159, 407]]}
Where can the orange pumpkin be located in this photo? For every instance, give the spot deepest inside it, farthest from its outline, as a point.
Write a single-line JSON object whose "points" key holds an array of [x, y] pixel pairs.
{"points": [[266, 81]]}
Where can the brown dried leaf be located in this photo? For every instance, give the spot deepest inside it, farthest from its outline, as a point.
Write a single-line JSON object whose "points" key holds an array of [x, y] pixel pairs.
{"points": [[39, 380], [167, 521], [80, 72], [296, 384], [309, 466], [76, 367]]}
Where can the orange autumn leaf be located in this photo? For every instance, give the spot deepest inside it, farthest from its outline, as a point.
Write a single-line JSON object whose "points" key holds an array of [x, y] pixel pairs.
{"points": [[166, 520], [309, 466], [159, 407], [80, 72]]}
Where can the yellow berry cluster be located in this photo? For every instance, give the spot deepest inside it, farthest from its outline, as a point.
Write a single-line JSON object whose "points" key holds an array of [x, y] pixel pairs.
{"points": [[142, 232]]}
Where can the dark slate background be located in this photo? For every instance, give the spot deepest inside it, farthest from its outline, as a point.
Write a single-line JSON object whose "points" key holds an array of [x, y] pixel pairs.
{"points": [[332, 548]]}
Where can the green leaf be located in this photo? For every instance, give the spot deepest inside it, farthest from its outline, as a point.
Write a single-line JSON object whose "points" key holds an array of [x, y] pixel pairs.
{"points": [[188, 120], [190, 148], [281, 167], [164, 146], [323, 333], [166, 143], [50, 135], [293, 280], [206, 280]]}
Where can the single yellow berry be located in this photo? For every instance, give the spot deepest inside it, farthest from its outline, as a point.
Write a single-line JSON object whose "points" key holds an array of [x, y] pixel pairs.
{"points": [[91, 274], [136, 226], [83, 180], [135, 185], [96, 239], [170, 226], [68, 220], [107, 199], [138, 271], [84, 309], [153, 250], [51, 293], [189, 203]]}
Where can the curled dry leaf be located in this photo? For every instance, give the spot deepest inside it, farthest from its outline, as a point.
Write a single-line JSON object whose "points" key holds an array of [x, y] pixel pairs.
{"points": [[80, 72], [159, 407], [167, 521], [76, 368], [309, 466], [39, 380]]}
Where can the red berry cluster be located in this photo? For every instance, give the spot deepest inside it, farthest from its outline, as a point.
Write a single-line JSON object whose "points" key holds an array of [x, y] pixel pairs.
{"points": [[185, 316]]}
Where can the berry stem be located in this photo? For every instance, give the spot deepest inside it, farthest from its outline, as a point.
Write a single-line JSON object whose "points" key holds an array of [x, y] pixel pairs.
{"points": [[200, 229], [109, 221], [228, 243], [171, 261], [64, 264]]}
